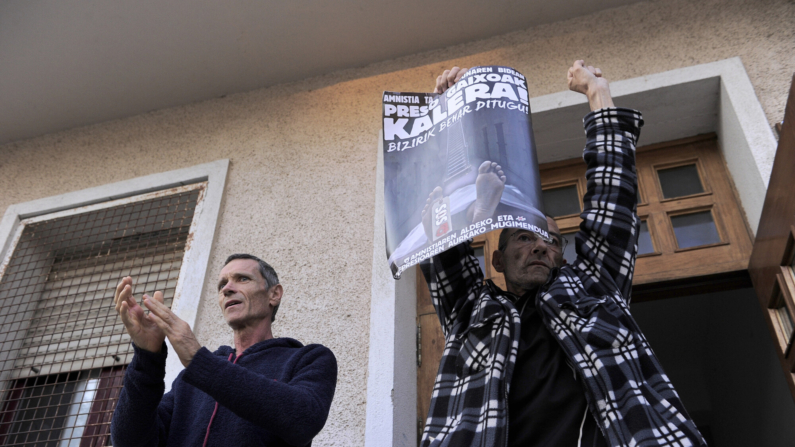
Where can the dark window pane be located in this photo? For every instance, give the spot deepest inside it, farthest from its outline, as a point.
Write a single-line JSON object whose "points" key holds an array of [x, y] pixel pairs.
{"points": [[561, 201], [481, 259], [695, 229], [570, 254], [644, 240], [680, 181], [41, 412]]}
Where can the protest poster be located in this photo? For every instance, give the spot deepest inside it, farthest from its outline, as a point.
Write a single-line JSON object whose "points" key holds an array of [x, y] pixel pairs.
{"points": [[458, 164]]}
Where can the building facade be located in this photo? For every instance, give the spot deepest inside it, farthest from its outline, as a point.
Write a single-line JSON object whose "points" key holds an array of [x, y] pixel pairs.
{"points": [[294, 175]]}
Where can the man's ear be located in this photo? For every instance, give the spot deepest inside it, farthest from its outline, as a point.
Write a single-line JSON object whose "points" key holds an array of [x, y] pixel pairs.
{"points": [[275, 295], [496, 261]]}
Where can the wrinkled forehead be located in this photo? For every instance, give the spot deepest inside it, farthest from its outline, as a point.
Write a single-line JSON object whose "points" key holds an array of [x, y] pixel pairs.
{"points": [[509, 234], [240, 266]]}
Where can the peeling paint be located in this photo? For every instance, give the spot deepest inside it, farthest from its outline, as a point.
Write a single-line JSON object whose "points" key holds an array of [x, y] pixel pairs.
{"points": [[11, 247]]}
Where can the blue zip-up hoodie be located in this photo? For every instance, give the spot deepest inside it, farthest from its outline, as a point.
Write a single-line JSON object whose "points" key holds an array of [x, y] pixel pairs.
{"points": [[277, 393]]}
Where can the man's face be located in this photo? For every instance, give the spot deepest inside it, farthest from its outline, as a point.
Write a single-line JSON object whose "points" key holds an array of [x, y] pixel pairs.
{"points": [[243, 294], [527, 265]]}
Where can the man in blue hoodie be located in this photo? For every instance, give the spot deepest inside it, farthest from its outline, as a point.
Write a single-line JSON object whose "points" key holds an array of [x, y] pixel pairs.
{"points": [[265, 391]]}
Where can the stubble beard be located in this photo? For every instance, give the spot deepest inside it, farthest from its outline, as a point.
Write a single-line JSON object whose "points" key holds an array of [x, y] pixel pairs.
{"points": [[530, 279]]}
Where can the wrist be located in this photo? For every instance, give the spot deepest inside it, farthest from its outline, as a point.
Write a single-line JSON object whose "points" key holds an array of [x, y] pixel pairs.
{"points": [[599, 95]]}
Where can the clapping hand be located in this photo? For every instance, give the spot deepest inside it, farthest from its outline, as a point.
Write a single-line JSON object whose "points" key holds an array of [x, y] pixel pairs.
{"points": [[148, 331], [143, 330]]}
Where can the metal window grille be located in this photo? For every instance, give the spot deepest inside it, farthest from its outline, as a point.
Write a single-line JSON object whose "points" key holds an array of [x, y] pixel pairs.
{"points": [[62, 345]]}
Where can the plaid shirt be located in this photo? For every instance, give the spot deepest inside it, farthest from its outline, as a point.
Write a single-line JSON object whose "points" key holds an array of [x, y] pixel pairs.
{"points": [[583, 305]]}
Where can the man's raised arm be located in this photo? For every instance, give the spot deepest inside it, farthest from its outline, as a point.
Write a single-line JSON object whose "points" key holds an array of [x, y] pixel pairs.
{"points": [[607, 242]]}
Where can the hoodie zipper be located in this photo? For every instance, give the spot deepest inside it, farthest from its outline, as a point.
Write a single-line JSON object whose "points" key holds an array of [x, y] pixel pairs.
{"points": [[215, 410]]}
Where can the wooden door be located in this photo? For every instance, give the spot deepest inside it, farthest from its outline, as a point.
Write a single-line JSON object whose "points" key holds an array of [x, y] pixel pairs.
{"points": [[773, 257]]}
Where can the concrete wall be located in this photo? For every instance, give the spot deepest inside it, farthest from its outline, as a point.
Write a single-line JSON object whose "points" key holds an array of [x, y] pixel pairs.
{"points": [[303, 155]]}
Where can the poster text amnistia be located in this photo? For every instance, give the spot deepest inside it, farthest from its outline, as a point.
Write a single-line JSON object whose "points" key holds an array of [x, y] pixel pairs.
{"points": [[426, 117]]}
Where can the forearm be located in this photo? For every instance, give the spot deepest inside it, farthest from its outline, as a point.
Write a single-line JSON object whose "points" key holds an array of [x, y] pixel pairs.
{"points": [[137, 419], [294, 411], [452, 277], [609, 221]]}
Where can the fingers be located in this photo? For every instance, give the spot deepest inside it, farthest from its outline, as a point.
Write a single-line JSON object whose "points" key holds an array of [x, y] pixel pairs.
{"points": [[438, 87], [124, 312], [119, 288], [595, 71], [178, 331], [578, 64], [118, 300], [457, 74], [131, 314], [448, 78], [156, 306], [160, 322], [159, 297], [160, 315], [441, 82], [159, 312], [126, 296], [584, 78]]}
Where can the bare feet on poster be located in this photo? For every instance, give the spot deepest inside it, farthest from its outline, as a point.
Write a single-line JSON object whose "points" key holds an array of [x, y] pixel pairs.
{"points": [[427, 224], [489, 186]]}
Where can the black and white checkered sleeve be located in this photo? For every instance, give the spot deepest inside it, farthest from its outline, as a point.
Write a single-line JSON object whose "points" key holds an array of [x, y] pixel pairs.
{"points": [[607, 241], [454, 277]]}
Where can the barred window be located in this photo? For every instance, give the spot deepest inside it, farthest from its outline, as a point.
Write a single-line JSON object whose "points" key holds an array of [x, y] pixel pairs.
{"points": [[63, 347]]}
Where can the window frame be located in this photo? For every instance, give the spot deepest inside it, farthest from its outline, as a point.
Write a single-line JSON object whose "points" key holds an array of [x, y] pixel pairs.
{"points": [[187, 297], [577, 183], [199, 187], [652, 230], [671, 268], [702, 173]]}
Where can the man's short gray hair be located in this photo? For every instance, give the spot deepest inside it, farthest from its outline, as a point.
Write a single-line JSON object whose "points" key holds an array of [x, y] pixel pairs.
{"points": [[265, 269]]}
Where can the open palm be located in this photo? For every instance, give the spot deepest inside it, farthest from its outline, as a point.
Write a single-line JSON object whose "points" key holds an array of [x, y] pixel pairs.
{"points": [[143, 331]]}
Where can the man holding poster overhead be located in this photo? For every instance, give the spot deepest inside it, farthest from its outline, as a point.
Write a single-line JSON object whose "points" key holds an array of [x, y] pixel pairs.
{"points": [[557, 359]]}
